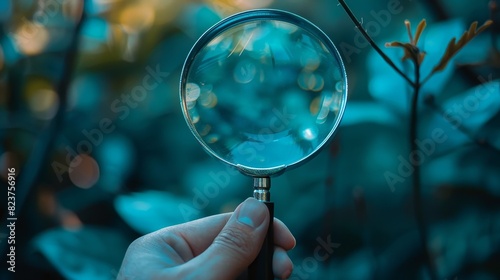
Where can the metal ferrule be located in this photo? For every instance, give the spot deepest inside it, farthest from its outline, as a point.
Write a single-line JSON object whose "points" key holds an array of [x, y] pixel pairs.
{"points": [[261, 187]]}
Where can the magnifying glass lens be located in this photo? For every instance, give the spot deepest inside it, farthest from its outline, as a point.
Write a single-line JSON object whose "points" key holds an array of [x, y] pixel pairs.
{"points": [[264, 93]]}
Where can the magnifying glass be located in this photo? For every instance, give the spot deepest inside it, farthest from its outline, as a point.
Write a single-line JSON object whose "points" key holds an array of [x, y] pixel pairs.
{"points": [[263, 91]]}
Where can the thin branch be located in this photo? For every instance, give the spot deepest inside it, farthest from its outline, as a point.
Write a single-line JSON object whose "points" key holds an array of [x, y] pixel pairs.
{"points": [[373, 44], [494, 32], [417, 196], [32, 169], [426, 78], [416, 178], [329, 182]]}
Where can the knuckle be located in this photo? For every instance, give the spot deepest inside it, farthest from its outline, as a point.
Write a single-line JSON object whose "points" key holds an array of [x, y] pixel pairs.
{"points": [[142, 243], [137, 243], [234, 239]]}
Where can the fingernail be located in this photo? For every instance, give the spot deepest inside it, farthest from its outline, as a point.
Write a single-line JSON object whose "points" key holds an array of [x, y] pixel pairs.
{"points": [[252, 213]]}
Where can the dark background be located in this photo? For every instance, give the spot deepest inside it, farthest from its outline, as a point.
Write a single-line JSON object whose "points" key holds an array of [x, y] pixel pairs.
{"points": [[63, 93]]}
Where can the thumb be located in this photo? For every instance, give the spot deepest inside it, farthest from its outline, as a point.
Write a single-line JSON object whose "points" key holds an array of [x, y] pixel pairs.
{"points": [[238, 243]]}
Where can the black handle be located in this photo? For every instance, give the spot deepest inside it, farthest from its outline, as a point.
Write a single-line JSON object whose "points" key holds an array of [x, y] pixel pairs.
{"points": [[262, 267]]}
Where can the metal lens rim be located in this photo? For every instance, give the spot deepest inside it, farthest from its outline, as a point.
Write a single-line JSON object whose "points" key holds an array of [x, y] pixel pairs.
{"points": [[241, 18]]}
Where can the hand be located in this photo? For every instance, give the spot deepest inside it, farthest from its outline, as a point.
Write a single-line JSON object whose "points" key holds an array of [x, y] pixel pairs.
{"points": [[215, 247]]}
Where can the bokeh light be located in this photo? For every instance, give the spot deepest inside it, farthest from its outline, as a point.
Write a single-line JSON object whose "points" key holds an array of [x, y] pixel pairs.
{"points": [[137, 17], [69, 220], [226, 7], [121, 166], [74, 9], [41, 98], [84, 171], [192, 92], [31, 38], [47, 202]]}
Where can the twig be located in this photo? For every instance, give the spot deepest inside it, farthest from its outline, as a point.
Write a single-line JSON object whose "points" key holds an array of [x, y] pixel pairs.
{"points": [[426, 78], [417, 196], [334, 147], [494, 32], [34, 164], [416, 182], [373, 44]]}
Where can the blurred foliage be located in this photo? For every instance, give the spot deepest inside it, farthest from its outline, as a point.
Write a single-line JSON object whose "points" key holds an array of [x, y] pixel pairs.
{"points": [[140, 168]]}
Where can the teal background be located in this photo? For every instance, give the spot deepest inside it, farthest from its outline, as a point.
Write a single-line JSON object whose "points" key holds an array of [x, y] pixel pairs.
{"points": [[140, 169]]}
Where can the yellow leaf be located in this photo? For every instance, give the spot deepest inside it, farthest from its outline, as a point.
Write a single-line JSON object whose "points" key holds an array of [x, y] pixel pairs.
{"points": [[394, 44], [408, 29], [420, 28], [473, 27], [484, 26], [409, 50], [454, 47], [446, 56]]}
